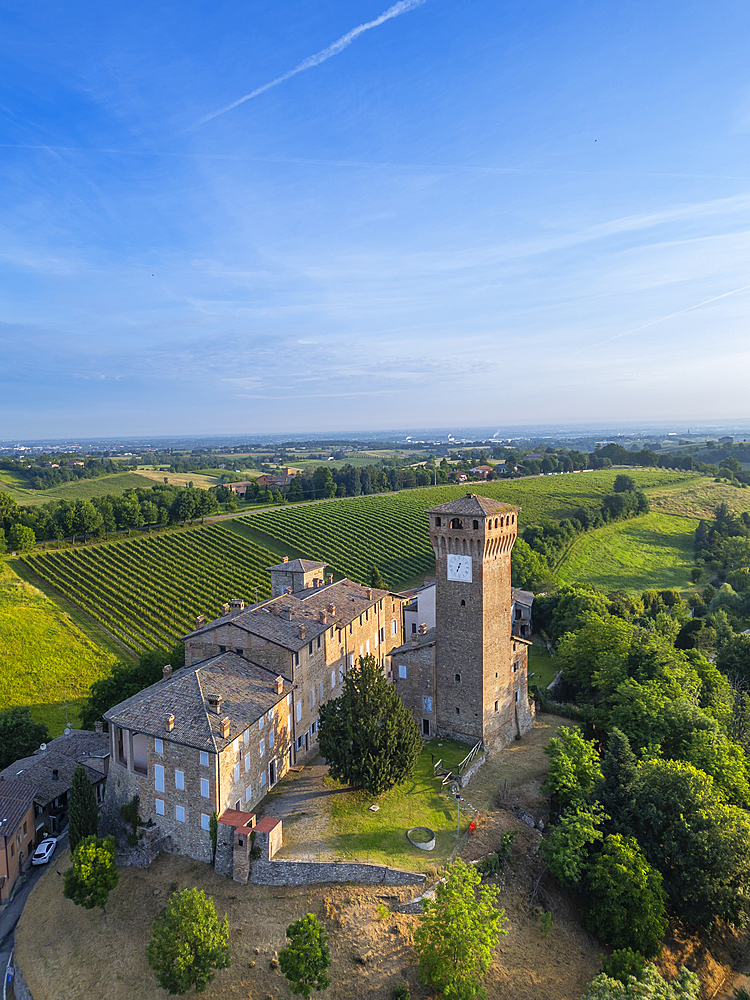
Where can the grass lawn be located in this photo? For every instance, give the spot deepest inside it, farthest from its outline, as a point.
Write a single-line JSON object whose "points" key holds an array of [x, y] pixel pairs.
{"points": [[381, 836], [542, 666], [44, 657], [698, 498], [655, 550]]}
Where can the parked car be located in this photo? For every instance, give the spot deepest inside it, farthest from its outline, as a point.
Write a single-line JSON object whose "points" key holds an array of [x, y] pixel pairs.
{"points": [[44, 851]]}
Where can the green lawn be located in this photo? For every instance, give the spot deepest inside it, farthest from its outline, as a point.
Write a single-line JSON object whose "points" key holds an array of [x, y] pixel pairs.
{"points": [[44, 657], [542, 665], [79, 489], [655, 550], [381, 836]]}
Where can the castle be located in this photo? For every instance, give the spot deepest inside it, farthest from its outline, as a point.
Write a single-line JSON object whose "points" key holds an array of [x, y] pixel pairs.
{"points": [[216, 735]]}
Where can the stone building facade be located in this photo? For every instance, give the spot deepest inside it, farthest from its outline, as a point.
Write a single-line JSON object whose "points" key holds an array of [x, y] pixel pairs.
{"points": [[468, 678], [211, 737]]}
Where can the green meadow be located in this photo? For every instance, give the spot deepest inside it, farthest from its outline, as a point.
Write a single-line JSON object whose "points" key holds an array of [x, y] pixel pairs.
{"points": [[652, 551], [45, 658]]}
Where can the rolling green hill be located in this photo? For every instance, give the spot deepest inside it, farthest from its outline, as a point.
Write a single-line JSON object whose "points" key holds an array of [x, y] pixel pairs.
{"points": [[80, 489]]}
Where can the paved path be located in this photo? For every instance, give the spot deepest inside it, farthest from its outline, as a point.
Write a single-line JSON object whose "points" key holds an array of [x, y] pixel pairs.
{"points": [[301, 800], [11, 914]]}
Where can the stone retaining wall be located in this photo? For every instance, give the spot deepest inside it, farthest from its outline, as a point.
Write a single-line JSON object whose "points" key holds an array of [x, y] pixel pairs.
{"points": [[308, 872]]}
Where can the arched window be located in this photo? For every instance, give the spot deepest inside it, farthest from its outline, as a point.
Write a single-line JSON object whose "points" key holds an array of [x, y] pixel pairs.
{"points": [[456, 523], [438, 522], [513, 519], [463, 604], [496, 522], [501, 522], [476, 525]]}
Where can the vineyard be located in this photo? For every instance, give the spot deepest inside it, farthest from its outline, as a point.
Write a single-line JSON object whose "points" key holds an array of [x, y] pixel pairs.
{"points": [[147, 591], [390, 531]]}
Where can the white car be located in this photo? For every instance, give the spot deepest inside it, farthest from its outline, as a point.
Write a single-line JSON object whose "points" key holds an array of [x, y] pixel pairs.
{"points": [[44, 851]]}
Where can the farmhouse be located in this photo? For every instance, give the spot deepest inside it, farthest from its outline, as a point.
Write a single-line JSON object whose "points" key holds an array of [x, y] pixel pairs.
{"points": [[16, 833]]}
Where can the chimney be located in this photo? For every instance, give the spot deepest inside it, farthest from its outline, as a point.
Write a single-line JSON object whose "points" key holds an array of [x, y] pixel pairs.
{"points": [[287, 590], [55, 774], [224, 610], [329, 578], [332, 610], [286, 614], [169, 723], [301, 630], [166, 672], [285, 559], [237, 604], [225, 727], [323, 617], [200, 621], [423, 629], [214, 703], [98, 728], [279, 684], [469, 494], [369, 593]]}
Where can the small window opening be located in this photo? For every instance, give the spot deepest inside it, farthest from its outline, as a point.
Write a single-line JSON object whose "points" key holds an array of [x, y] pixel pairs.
{"points": [[475, 524], [463, 604], [438, 522], [458, 678], [495, 706], [458, 710], [457, 523]]}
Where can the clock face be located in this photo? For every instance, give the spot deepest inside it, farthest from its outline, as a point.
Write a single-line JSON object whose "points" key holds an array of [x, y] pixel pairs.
{"points": [[459, 568]]}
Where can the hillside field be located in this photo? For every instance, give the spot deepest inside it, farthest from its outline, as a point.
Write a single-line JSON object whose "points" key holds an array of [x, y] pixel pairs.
{"points": [[80, 489], [390, 530], [699, 498], [44, 656], [652, 551], [147, 591]]}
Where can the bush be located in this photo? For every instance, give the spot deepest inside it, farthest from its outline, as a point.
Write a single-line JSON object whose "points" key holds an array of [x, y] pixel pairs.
{"points": [[401, 992], [188, 941], [624, 962]]}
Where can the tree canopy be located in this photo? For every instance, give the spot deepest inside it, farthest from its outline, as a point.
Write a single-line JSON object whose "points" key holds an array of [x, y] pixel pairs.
{"points": [[83, 817], [188, 942], [306, 958], [20, 735], [367, 735], [93, 874]]}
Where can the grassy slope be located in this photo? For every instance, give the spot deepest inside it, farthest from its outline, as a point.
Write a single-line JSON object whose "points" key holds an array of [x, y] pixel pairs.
{"points": [[699, 498], [44, 657], [655, 550], [80, 489]]}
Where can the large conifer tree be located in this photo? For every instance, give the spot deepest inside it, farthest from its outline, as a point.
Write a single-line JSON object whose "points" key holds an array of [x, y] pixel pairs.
{"points": [[83, 817], [367, 735]]}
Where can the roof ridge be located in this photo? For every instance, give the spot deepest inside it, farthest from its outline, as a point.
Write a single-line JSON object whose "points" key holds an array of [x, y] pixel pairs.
{"points": [[205, 710]]}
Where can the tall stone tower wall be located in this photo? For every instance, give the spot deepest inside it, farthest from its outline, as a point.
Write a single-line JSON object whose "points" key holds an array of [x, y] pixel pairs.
{"points": [[478, 667]]}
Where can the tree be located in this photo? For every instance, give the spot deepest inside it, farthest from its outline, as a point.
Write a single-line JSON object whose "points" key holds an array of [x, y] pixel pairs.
{"points": [[188, 941], [617, 790], [295, 493], [652, 987], [367, 735], [83, 817], [20, 735], [626, 898], [305, 960], [376, 579], [457, 933], [94, 873], [21, 538], [529, 568], [624, 484], [699, 843], [573, 767], [566, 849]]}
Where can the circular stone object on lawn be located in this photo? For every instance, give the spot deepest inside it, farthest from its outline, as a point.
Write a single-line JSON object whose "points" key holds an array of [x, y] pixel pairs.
{"points": [[422, 837]]}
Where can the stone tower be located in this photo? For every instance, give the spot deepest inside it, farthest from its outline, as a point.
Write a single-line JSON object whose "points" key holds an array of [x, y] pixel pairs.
{"points": [[480, 667]]}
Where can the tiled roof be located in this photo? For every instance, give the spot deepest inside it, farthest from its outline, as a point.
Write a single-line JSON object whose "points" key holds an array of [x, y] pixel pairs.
{"points": [[298, 566], [15, 799], [247, 691], [38, 770], [425, 639], [80, 744], [524, 597], [278, 619], [472, 504]]}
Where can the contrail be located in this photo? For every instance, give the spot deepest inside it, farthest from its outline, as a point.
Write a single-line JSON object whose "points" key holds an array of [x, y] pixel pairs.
{"points": [[661, 319], [332, 50]]}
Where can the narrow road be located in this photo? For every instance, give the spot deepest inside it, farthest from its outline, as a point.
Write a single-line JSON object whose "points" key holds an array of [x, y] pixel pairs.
{"points": [[12, 913]]}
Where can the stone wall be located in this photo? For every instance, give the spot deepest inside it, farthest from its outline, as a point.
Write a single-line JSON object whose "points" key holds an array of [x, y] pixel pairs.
{"points": [[309, 872]]}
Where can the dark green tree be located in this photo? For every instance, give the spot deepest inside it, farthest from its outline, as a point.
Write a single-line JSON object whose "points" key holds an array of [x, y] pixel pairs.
{"points": [[458, 932], [573, 767], [306, 958], [83, 817], [617, 788], [367, 735], [295, 493], [20, 735], [188, 942], [21, 538], [93, 874], [626, 900], [567, 849], [376, 579], [624, 484]]}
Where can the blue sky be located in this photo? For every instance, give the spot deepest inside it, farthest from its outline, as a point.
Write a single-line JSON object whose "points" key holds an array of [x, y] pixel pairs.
{"points": [[469, 212]]}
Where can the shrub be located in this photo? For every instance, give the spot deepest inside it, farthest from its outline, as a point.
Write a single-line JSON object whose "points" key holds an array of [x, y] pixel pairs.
{"points": [[624, 962]]}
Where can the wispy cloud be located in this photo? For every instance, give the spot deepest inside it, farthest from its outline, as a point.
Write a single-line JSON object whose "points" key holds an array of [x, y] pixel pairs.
{"points": [[332, 50]]}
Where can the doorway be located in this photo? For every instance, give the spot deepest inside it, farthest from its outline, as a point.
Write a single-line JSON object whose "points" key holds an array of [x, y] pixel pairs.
{"points": [[425, 727], [272, 773]]}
